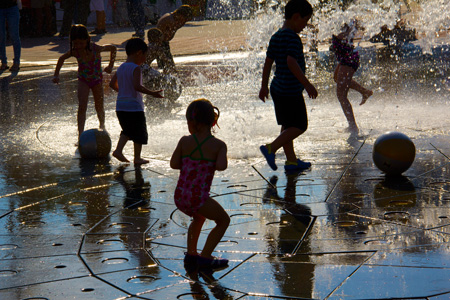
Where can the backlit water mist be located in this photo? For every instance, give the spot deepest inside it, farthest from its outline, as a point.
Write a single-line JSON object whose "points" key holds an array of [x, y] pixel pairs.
{"points": [[404, 78]]}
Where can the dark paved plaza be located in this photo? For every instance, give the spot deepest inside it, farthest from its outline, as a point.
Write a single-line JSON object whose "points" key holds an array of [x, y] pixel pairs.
{"points": [[75, 228]]}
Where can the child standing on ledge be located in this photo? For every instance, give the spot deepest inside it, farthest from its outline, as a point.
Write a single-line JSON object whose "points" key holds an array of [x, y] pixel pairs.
{"points": [[286, 50], [198, 156], [127, 81], [89, 72]]}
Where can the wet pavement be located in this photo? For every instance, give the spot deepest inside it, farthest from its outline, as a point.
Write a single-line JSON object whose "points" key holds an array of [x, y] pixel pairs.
{"points": [[95, 229]]}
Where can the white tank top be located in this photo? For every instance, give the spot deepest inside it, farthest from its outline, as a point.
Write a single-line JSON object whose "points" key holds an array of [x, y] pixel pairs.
{"points": [[128, 98]]}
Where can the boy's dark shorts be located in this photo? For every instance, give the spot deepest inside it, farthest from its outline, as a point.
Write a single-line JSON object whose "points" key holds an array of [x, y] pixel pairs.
{"points": [[290, 111], [133, 126]]}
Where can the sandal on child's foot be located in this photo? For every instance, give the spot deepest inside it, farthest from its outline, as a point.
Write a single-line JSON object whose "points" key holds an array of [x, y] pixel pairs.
{"points": [[4, 67], [190, 262], [190, 258], [213, 263]]}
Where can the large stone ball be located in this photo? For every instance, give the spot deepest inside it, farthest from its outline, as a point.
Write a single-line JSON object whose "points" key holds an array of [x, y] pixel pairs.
{"points": [[94, 143], [393, 153]]}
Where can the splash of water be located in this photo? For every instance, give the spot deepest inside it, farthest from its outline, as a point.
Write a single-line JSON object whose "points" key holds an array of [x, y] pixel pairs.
{"points": [[246, 122], [432, 22], [429, 19], [330, 18]]}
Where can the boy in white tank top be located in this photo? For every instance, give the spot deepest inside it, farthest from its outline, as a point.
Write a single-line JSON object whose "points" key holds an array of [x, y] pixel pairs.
{"points": [[127, 81]]}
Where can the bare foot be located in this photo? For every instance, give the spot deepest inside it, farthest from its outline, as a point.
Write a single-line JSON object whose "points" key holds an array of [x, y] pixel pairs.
{"points": [[140, 161], [120, 156], [365, 97]]}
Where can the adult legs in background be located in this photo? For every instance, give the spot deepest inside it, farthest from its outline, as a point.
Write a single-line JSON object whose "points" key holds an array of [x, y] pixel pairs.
{"points": [[136, 17], [82, 11], [99, 8], [42, 14], [12, 17], [69, 10], [101, 22], [3, 58]]}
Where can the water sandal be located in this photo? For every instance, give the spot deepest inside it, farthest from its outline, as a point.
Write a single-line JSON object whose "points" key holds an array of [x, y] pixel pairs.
{"points": [[190, 262], [212, 263], [296, 166], [270, 157], [4, 67], [190, 258]]}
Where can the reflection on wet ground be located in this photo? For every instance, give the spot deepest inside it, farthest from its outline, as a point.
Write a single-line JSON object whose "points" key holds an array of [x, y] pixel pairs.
{"points": [[87, 229]]}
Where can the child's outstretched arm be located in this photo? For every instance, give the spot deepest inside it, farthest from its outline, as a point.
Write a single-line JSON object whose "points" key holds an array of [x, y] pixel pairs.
{"points": [[59, 65], [221, 161], [112, 57], [175, 160], [264, 91], [140, 88], [298, 73]]}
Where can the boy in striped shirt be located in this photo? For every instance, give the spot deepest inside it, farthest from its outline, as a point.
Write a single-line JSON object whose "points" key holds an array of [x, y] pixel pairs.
{"points": [[286, 50]]}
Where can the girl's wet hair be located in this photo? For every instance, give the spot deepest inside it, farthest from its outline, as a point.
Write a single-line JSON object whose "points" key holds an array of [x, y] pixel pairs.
{"points": [[202, 111], [79, 32]]}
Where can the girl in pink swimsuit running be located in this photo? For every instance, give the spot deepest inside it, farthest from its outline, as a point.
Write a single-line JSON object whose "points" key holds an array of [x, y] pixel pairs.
{"points": [[348, 63], [197, 156], [89, 72]]}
